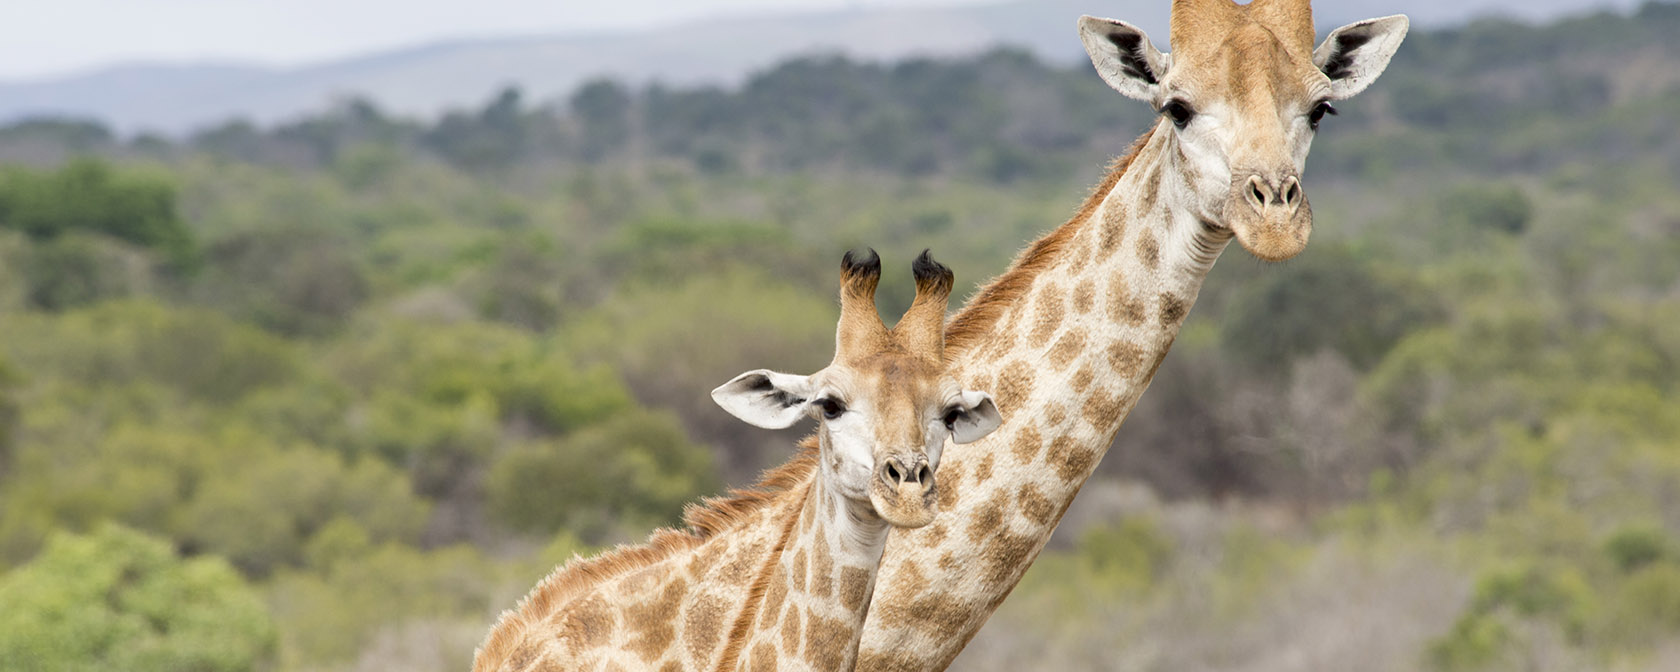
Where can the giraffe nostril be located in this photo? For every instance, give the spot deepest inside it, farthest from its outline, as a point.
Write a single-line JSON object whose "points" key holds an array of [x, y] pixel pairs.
{"points": [[923, 474], [892, 473], [1255, 192]]}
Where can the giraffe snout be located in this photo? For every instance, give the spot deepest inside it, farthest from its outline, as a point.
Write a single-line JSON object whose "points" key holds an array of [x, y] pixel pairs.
{"points": [[896, 472], [1269, 213], [903, 490]]}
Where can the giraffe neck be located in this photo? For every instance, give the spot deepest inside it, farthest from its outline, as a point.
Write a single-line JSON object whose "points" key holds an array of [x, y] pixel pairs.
{"points": [[1067, 341], [818, 590]]}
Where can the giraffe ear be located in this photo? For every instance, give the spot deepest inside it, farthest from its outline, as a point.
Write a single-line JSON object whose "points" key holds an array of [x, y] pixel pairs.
{"points": [[765, 398], [1124, 57], [1355, 54], [978, 416]]}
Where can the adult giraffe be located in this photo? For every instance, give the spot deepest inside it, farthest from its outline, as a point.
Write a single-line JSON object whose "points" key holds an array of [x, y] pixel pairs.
{"points": [[1068, 338]]}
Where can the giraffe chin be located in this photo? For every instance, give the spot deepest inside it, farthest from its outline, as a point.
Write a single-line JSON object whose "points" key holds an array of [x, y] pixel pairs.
{"points": [[1271, 234], [910, 504]]}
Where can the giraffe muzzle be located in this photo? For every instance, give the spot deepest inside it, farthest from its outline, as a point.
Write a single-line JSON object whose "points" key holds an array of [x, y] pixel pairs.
{"points": [[903, 490], [1269, 213]]}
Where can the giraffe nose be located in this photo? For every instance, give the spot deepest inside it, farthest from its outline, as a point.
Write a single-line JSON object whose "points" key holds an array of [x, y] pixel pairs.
{"points": [[1282, 193], [896, 471]]}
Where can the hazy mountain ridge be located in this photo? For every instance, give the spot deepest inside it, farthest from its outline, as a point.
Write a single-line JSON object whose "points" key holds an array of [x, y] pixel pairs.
{"points": [[428, 79]]}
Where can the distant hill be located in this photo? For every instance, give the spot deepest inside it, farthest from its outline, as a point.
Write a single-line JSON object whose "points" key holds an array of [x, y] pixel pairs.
{"points": [[427, 80]]}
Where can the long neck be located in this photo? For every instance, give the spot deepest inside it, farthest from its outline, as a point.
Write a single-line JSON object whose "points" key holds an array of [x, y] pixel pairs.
{"points": [[1066, 341], [818, 590]]}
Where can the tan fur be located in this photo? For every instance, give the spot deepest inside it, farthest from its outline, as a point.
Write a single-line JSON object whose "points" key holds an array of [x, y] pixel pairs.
{"points": [[712, 597], [979, 316], [712, 516]]}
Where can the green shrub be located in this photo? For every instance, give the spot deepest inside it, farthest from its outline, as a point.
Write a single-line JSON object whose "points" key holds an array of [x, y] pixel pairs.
{"points": [[1633, 547], [120, 600], [635, 470]]}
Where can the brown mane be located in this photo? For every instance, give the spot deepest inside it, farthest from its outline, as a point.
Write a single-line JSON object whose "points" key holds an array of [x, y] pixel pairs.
{"points": [[981, 313], [704, 520]]}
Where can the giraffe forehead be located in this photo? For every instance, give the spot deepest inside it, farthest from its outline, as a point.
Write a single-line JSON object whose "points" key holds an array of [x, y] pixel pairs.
{"points": [[896, 384], [1252, 72], [1202, 26]]}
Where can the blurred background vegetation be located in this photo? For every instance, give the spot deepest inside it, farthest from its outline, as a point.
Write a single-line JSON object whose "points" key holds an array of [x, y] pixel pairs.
{"points": [[331, 394]]}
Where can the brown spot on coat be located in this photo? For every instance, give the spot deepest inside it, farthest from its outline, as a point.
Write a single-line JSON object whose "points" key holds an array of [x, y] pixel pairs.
{"points": [[799, 570], [763, 658], [946, 484], [1082, 380], [1084, 296], [822, 569], [1006, 558], [983, 472], [1102, 410], [792, 628], [910, 580], [649, 623], [1126, 358], [1026, 445], [1049, 316], [828, 641], [586, 624], [1122, 305], [702, 624], [1070, 458], [985, 522], [1114, 224], [1148, 249], [1151, 188], [1055, 415], [1078, 256], [1067, 348], [854, 588], [1014, 384], [1172, 310], [1035, 506], [773, 598]]}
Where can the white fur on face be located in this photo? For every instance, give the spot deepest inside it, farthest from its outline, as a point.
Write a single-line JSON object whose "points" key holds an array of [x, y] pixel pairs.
{"points": [[849, 444]]}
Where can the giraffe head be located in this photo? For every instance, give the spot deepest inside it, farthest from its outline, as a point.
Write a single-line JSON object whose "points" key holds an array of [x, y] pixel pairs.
{"points": [[1243, 92], [885, 405]]}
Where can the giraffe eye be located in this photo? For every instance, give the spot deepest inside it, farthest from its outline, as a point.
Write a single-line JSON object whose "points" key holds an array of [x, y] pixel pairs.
{"points": [[1179, 112], [952, 415], [831, 408], [1318, 112]]}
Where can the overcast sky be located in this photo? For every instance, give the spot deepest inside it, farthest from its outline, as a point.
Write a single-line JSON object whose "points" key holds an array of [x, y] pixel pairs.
{"points": [[43, 38]]}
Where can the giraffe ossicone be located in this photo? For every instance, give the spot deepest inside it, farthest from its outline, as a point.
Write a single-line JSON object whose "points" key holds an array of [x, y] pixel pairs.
{"points": [[1069, 337], [778, 576]]}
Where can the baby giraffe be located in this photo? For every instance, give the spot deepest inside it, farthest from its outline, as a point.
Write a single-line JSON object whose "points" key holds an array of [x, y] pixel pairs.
{"points": [[777, 576]]}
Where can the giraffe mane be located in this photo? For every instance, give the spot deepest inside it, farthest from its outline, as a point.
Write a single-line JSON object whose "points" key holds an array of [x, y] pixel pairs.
{"points": [[981, 313], [704, 520]]}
